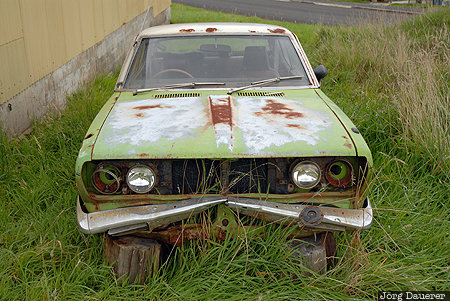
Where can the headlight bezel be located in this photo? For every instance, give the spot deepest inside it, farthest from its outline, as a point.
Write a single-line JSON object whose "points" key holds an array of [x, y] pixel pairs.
{"points": [[154, 175], [338, 181], [97, 180]]}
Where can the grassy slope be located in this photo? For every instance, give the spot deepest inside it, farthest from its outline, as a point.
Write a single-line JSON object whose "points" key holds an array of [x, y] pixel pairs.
{"points": [[44, 256]]}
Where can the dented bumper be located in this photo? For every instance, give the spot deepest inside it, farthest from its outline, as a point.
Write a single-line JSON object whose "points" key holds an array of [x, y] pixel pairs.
{"points": [[131, 219]]}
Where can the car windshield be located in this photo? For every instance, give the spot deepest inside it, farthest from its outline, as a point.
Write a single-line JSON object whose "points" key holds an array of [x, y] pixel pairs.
{"points": [[229, 61]]}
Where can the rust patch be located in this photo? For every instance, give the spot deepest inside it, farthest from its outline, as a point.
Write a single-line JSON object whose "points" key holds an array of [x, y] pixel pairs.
{"points": [[278, 30], [187, 30], [253, 31], [221, 234], [90, 146], [347, 143], [221, 111], [151, 107], [276, 108], [139, 115], [296, 126], [176, 235], [211, 29], [144, 155]]}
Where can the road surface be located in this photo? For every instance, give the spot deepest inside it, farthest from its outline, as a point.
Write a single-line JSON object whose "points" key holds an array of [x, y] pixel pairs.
{"points": [[307, 11]]}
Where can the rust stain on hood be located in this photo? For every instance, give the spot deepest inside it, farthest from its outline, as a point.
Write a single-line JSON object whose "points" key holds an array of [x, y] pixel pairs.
{"points": [[158, 106], [273, 122], [277, 108], [222, 119]]}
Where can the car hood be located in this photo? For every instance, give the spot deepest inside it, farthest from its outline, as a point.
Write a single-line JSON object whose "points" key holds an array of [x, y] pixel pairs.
{"points": [[211, 124]]}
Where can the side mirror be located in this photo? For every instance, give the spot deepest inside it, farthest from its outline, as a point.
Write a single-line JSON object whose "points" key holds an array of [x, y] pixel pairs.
{"points": [[320, 72]]}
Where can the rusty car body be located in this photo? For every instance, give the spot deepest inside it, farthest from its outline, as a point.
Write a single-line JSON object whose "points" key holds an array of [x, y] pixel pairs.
{"points": [[223, 117]]}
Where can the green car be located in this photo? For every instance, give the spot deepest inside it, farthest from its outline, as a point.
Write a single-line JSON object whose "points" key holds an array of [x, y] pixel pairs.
{"points": [[226, 118]]}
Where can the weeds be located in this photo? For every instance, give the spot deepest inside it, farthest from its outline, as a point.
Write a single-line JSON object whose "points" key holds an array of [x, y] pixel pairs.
{"points": [[401, 70]]}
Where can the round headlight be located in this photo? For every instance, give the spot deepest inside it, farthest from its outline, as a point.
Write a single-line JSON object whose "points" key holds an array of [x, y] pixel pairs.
{"points": [[339, 174], [106, 179], [141, 179], [306, 174]]}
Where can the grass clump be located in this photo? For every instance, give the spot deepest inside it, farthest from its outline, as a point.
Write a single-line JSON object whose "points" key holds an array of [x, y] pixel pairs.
{"points": [[393, 83], [401, 70], [391, 80]]}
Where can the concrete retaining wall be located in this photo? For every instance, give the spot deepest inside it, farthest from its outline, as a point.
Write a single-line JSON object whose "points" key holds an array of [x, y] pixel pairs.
{"points": [[50, 92]]}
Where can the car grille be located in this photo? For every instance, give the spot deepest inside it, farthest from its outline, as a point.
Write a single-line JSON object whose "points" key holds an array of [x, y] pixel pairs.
{"points": [[195, 176]]}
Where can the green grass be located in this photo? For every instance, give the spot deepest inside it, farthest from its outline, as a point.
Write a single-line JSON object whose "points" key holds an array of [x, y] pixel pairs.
{"points": [[354, 1], [43, 256], [419, 5]]}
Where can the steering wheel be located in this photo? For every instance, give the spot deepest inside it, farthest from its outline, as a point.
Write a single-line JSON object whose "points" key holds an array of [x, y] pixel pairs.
{"points": [[172, 70]]}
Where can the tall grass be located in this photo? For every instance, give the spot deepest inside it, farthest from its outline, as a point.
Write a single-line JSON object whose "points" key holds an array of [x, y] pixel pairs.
{"points": [[405, 70], [391, 80]]}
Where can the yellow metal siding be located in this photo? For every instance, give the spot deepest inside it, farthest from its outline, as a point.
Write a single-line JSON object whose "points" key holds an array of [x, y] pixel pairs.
{"points": [[55, 26], [87, 19], [159, 6], [10, 21], [13, 68], [39, 36], [72, 28], [35, 33], [110, 15], [99, 28]]}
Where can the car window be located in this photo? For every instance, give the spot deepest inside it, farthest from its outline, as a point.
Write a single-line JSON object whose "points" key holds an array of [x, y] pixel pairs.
{"points": [[233, 60]]}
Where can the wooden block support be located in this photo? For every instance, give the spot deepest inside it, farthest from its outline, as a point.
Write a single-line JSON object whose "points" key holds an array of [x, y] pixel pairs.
{"points": [[133, 258], [312, 251]]}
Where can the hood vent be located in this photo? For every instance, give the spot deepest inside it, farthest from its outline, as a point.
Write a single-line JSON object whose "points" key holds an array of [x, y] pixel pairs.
{"points": [[177, 95], [260, 93]]}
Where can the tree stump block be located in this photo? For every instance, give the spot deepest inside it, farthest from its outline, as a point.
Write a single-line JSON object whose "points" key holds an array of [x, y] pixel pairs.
{"points": [[312, 251], [133, 258]]}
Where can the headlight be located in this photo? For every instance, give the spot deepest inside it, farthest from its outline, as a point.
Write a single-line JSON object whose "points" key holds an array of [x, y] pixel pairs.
{"points": [[141, 179], [106, 179], [339, 174], [306, 174]]}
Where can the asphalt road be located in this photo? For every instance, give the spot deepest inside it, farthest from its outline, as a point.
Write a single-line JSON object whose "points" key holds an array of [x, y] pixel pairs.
{"points": [[306, 11]]}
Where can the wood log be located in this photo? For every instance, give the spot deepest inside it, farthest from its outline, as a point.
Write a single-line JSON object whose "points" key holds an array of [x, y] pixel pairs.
{"points": [[133, 258], [312, 251]]}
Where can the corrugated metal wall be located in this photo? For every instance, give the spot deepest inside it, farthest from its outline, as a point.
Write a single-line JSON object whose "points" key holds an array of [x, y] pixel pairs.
{"points": [[38, 36]]}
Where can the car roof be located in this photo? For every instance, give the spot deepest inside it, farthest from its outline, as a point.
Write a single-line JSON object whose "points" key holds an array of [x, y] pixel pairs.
{"points": [[214, 28]]}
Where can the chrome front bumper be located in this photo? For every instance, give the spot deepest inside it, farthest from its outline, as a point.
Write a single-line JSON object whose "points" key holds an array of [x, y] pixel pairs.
{"points": [[149, 217]]}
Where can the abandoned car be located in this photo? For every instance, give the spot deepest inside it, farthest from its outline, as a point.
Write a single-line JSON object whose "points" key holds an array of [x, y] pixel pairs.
{"points": [[222, 118]]}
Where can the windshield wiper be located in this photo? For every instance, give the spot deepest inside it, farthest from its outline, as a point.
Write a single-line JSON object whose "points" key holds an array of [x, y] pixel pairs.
{"points": [[174, 86], [264, 82]]}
